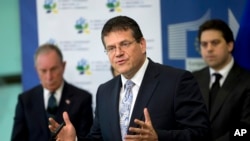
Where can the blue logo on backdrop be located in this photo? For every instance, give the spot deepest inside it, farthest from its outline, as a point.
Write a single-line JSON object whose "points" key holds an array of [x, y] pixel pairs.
{"points": [[180, 23]]}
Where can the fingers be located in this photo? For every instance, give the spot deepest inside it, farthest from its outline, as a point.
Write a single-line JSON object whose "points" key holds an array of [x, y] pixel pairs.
{"points": [[145, 131], [66, 118], [147, 123], [133, 137], [53, 124], [140, 123], [145, 127], [147, 116], [138, 131]]}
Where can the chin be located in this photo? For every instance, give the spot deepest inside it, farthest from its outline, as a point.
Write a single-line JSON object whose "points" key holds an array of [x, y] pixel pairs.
{"points": [[51, 88]]}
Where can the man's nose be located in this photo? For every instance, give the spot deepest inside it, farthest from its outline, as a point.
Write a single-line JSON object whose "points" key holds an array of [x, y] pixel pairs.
{"points": [[118, 50], [49, 75]]}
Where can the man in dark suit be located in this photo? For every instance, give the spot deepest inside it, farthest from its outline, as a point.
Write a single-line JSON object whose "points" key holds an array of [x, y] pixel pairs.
{"points": [[166, 103], [33, 107], [230, 106]]}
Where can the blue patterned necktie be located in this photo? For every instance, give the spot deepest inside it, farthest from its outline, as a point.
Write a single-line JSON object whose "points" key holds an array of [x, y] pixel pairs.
{"points": [[125, 107]]}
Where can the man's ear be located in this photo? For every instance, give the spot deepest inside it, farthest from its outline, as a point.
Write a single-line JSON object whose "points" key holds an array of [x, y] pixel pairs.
{"points": [[230, 46]]}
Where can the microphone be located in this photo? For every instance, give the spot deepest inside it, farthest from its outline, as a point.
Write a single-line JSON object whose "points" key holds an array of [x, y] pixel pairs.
{"points": [[54, 134]]}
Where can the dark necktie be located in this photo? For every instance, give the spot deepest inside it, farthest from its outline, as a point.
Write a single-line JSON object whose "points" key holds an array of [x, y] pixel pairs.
{"points": [[52, 106], [214, 89]]}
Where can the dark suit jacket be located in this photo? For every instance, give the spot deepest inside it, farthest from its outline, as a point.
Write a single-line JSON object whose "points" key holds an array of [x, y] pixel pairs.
{"points": [[172, 97], [31, 122], [232, 105]]}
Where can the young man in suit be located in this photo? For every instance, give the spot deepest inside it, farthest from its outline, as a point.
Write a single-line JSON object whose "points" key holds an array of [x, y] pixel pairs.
{"points": [[229, 107], [167, 104], [53, 96]]}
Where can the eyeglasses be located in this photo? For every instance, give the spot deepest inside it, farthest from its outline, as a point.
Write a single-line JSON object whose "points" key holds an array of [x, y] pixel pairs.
{"points": [[122, 46]]}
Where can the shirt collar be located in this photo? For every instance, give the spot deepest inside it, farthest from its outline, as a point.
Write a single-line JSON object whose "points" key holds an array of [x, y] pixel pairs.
{"points": [[224, 71], [57, 93], [137, 78]]}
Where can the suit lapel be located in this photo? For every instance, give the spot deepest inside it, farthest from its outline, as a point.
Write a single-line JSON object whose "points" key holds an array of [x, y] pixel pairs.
{"points": [[65, 102], [114, 108], [204, 85], [146, 90], [40, 113], [225, 91]]}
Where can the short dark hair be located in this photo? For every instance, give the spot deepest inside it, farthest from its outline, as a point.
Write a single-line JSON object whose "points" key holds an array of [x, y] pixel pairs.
{"points": [[219, 25], [46, 48], [120, 23]]}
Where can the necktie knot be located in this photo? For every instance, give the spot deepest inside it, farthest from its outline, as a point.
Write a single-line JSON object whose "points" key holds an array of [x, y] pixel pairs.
{"points": [[129, 84], [217, 76]]}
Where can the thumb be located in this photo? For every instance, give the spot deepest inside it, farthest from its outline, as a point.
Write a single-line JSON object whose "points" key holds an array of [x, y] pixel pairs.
{"points": [[66, 118], [147, 116]]}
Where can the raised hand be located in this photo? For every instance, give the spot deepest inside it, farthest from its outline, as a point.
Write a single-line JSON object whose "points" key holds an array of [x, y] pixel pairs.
{"points": [[146, 132], [67, 133]]}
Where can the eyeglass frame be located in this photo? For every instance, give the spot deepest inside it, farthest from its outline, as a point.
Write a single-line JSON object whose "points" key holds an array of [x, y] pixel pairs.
{"points": [[123, 45]]}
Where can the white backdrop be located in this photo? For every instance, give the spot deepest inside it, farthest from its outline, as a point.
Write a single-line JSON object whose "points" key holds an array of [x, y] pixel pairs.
{"points": [[87, 65]]}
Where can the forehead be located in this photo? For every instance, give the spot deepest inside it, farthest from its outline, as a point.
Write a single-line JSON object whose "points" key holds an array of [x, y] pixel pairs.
{"points": [[47, 59], [212, 34], [118, 36]]}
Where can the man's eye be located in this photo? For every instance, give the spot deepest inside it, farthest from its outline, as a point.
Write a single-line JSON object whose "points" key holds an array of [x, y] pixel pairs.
{"points": [[110, 48], [43, 71], [216, 42], [202, 44], [125, 44]]}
